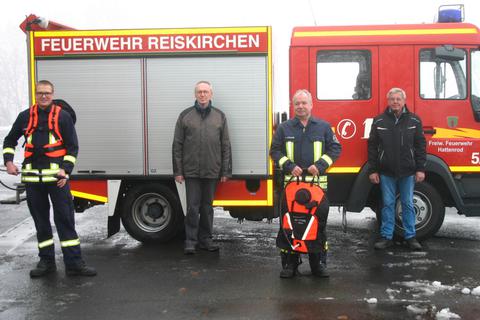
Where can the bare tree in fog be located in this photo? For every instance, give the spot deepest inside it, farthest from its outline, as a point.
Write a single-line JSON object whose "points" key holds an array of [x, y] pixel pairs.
{"points": [[13, 82]]}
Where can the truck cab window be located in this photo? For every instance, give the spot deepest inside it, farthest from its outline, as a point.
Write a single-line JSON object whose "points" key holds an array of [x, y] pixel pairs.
{"points": [[344, 75], [443, 73]]}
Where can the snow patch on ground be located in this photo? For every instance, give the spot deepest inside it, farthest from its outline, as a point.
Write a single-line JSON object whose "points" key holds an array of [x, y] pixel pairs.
{"points": [[476, 291], [391, 293], [424, 287], [417, 309], [371, 300], [466, 291], [445, 314], [413, 263]]}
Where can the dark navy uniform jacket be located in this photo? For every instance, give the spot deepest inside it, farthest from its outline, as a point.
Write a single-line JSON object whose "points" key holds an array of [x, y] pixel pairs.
{"points": [[303, 139], [40, 138]]}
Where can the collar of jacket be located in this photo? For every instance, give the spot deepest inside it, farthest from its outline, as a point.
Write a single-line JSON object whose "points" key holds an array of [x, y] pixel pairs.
{"points": [[390, 113], [47, 109], [203, 111], [297, 121]]}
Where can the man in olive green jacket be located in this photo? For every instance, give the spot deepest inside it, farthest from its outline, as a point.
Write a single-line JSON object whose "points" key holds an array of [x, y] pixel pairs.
{"points": [[201, 155]]}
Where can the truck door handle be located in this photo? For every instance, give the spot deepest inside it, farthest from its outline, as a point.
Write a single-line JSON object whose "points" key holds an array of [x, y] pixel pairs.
{"points": [[429, 130], [91, 171]]}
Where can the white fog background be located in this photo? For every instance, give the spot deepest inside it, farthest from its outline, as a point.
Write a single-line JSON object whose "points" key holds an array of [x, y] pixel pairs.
{"points": [[282, 15]]}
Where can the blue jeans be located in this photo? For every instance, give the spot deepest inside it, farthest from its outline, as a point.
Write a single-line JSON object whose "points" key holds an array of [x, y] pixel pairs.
{"points": [[389, 186]]}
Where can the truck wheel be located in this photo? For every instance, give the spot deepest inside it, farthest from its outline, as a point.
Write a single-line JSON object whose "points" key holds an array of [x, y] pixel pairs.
{"points": [[152, 213], [429, 212]]}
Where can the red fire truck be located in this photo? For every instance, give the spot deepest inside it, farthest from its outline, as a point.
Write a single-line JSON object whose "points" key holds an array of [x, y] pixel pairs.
{"points": [[349, 70], [128, 87]]}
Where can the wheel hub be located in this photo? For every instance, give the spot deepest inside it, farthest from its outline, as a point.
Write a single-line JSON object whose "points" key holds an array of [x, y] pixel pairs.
{"points": [[154, 211], [151, 212], [422, 208]]}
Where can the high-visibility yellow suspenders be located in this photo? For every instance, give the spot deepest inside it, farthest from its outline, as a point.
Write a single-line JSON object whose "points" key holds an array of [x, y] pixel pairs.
{"points": [[317, 155]]}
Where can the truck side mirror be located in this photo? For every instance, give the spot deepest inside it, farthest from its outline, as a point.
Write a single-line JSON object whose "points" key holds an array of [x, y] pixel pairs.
{"points": [[476, 107], [476, 115]]}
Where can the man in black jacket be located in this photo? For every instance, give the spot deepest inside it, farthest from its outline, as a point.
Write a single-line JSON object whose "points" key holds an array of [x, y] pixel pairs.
{"points": [[397, 157]]}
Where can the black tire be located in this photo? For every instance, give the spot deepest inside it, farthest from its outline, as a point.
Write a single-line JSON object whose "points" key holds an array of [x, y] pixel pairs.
{"points": [[429, 212], [152, 213]]}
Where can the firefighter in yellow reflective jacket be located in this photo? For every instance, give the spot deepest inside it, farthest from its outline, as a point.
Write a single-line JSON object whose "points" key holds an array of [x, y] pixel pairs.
{"points": [[305, 143], [51, 148]]}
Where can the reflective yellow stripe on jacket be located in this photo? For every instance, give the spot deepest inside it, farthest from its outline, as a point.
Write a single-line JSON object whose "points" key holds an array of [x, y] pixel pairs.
{"points": [[8, 150], [289, 146], [69, 158], [317, 150], [317, 155], [31, 175]]}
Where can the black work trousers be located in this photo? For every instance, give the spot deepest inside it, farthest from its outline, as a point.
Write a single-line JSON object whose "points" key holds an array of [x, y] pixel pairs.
{"points": [[199, 218], [63, 215]]}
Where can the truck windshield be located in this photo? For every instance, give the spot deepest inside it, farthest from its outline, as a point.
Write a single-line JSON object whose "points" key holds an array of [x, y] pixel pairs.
{"points": [[475, 65], [443, 77]]}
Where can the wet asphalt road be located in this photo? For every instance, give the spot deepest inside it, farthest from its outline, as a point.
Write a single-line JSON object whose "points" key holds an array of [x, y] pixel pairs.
{"points": [[241, 282]]}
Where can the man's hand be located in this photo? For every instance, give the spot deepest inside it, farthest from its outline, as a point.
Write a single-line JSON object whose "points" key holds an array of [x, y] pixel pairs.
{"points": [[297, 171], [62, 178], [11, 168], [419, 176], [374, 178], [224, 179], [313, 170], [179, 179]]}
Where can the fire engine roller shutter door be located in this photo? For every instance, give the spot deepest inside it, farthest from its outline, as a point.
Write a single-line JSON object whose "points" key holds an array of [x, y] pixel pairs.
{"points": [[106, 96], [239, 90]]}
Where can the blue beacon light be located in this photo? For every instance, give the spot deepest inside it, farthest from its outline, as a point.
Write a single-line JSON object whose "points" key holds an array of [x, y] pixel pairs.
{"points": [[451, 13]]}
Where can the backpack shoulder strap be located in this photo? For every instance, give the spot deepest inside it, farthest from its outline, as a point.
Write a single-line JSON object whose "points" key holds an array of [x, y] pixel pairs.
{"points": [[32, 120]]}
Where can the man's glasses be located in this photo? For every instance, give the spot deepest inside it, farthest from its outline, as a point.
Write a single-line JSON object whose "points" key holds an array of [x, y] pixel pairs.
{"points": [[43, 93]]}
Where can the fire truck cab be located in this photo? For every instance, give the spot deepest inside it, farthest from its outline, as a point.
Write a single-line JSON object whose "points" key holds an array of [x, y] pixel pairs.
{"points": [[349, 71]]}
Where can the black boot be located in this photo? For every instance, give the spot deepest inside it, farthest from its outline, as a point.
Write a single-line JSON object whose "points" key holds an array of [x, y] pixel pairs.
{"points": [[290, 262], [43, 268], [80, 269], [319, 269]]}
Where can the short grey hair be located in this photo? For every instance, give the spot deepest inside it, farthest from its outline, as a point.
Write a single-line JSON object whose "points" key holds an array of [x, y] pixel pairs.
{"points": [[396, 90], [200, 82], [305, 92]]}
